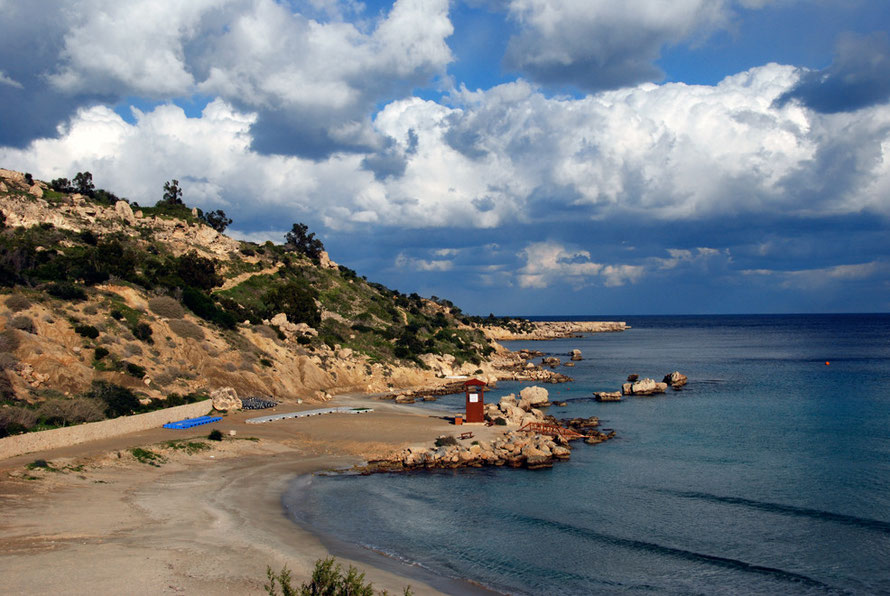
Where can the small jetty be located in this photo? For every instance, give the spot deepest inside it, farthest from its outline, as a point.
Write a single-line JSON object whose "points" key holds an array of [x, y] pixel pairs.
{"points": [[307, 413]]}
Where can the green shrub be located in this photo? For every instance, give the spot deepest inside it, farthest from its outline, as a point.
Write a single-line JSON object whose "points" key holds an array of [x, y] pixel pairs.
{"points": [[203, 306], [167, 307], [87, 331], [147, 456], [134, 369], [117, 314], [142, 331], [500, 421], [215, 435], [66, 291], [327, 579], [100, 353], [186, 329], [266, 362], [17, 302], [23, 323], [119, 401], [304, 340]]}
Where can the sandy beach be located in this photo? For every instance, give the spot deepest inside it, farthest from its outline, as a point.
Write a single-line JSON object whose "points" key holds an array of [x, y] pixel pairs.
{"points": [[210, 522]]}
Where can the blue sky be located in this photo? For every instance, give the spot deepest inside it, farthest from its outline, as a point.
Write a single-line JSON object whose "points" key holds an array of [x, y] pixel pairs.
{"points": [[515, 156]]}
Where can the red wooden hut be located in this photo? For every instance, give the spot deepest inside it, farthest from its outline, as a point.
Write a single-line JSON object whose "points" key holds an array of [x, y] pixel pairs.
{"points": [[475, 400]]}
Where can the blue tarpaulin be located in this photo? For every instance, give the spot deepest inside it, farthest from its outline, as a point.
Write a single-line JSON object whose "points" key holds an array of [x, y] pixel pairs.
{"points": [[190, 422]]}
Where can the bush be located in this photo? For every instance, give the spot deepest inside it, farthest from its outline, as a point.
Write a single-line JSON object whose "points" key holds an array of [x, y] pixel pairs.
{"points": [[165, 306], [9, 341], [119, 401], [23, 323], [87, 331], [65, 412], [215, 435], [17, 302], [500, 421], [198, 272], [186, 329], [327, 579], [134, 369], [446, 441], [16, 420], [7, 361], [266, 362], [304, 340], [142, 331], [203, 306], [66, 291], [100, 353]]}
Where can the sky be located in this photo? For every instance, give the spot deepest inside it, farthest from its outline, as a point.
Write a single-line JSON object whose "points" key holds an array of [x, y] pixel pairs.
{"points": [[518, 157]]}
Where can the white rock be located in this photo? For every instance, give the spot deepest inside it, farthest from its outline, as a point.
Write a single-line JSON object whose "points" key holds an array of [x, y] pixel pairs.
{"points": [[225, 398]]}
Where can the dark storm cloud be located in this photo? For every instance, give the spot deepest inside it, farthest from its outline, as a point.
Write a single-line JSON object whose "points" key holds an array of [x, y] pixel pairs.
{"points": [[858, 77]]}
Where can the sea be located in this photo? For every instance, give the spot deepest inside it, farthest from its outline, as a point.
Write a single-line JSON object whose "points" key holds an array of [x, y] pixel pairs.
{"points": [[769, 473]]}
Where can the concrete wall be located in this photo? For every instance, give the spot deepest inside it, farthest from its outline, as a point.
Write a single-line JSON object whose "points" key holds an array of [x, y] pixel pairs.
{"points": [[93, 431]]}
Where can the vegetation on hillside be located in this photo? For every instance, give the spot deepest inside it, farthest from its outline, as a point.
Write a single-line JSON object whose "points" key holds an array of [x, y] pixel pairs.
{"points": [[70, 271]]}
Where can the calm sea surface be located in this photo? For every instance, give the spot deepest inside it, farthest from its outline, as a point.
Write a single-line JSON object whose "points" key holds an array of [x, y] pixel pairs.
{"points": [[768, 474]]}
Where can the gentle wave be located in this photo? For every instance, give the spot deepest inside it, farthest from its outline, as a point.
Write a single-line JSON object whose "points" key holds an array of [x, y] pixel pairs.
{"points": [[678, 553], [818, 514]]}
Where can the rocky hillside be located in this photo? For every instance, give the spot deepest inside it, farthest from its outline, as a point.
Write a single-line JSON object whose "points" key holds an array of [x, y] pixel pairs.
{"points": [[100, 297]]}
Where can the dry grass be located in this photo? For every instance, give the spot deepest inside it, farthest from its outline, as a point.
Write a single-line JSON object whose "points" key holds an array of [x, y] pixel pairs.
{"points": [[186, 329], [23, 323], [17, 302], [166, 307], [61, 412]]}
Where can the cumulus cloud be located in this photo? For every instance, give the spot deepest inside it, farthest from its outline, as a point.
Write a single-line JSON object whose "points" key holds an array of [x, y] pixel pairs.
{"points": [[602, 44], [668, 153], [312, 83], [858, 77], [549, 263]]}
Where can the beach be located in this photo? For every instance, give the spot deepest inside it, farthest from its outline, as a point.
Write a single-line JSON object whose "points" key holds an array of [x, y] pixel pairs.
{"points": [[209, 522]]}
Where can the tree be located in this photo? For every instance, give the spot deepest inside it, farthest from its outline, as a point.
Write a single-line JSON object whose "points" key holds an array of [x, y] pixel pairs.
{"points": [[172, 193], [83, 183], [300, 240], [216, 220]]}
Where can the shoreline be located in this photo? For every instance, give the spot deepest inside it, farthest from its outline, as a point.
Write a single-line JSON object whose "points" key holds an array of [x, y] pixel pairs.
{"points": [[207, 522]]}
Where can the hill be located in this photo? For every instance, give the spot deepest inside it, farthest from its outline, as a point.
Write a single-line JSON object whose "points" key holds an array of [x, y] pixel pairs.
{"points": [[108, 308]]}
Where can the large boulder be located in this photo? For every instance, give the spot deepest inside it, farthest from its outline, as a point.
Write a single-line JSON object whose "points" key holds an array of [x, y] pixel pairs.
{"points": [[533, 397], [647, 387], [675, 379], [124, 211], [507, 400], [607, 396], [225, 398], [575, 354]]}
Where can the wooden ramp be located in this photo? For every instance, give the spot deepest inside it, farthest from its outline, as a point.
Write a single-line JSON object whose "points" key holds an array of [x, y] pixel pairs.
{"points": [[545, 428]]}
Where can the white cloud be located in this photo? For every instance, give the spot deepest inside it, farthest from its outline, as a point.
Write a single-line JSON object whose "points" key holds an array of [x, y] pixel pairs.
{"points": [[822, 276], [7, 80], [551, 263], [319, 80], [414, 264]]}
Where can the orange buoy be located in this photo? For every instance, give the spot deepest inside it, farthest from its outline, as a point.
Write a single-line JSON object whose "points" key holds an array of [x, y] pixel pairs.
{"points": [[827, 363]]}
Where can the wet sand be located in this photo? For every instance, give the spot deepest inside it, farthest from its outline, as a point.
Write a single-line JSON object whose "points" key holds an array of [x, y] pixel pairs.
{"points": [[209, 522]]}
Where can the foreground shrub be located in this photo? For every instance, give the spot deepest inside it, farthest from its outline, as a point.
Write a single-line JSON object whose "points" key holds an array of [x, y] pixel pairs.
{"points": [[100, 353], [17, 302], [167, 307], [215, 435], [186, 329], [327, 579], [142, 331]]}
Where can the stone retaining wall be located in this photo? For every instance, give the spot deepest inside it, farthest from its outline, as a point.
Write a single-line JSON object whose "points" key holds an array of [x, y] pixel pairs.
{"points": [[93, 431]]}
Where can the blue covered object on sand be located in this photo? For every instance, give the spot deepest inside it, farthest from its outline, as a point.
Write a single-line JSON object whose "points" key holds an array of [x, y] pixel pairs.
{"points": [[190, 422]]}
